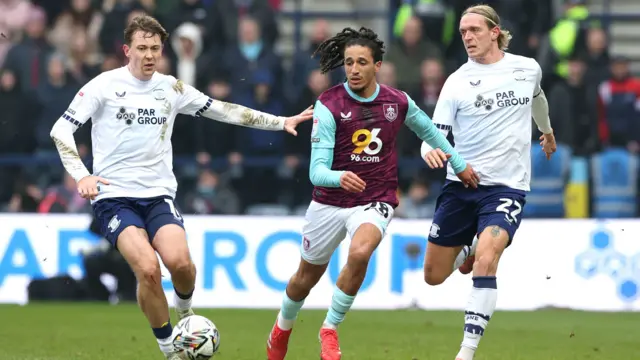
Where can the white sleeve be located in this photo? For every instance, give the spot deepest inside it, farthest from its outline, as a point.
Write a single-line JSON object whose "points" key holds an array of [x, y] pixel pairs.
{"points": [[85, 104], [540, 105], [194, 102], [445, 113]]}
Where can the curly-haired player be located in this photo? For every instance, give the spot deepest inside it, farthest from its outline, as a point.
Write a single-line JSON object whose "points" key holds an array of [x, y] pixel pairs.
{"points": [[354, 171]]}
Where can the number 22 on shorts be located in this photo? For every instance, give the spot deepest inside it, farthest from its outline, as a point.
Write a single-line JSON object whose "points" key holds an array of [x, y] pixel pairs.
{"points": [[368, 142], [511, 215]]}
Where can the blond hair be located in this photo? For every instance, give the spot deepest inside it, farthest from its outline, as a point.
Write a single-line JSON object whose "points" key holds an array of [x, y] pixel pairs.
{"points": [[492, 19]]}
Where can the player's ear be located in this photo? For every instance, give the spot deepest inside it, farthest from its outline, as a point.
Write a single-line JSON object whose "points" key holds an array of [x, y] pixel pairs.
{"points": [[126, 49], [378, 65]]}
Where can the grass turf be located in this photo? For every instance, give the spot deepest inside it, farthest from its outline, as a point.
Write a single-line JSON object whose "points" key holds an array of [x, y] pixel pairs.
{"points": [[101, 332]]}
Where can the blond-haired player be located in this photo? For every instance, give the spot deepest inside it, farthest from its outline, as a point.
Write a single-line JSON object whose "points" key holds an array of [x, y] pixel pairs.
{"points": [[487, 104]]}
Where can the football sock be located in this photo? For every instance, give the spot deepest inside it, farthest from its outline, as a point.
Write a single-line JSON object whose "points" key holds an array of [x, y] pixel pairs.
{"points": [[163, 335], [288, 312], [482, 303], [182, 301], [340, 305], [462, 257]]}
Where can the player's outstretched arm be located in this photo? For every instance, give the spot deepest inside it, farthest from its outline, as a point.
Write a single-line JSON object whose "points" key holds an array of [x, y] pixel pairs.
{"points": [[194, 102], [421, 124]]}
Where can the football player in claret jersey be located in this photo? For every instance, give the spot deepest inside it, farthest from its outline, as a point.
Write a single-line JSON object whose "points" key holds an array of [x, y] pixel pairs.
{"points": [[487, 104], [133, 187], [354, 170]]}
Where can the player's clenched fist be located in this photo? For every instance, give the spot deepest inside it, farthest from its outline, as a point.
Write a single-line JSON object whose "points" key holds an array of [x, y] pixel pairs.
{"points": [[88, 186], [436, 158], [352, 183]]}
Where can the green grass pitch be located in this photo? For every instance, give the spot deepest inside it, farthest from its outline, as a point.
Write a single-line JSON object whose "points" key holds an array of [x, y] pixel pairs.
{"points": [[101, 332]]}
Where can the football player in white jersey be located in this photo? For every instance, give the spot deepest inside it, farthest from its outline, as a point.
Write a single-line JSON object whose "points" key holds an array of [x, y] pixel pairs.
{"points": [[133, 187], [487, 104]]}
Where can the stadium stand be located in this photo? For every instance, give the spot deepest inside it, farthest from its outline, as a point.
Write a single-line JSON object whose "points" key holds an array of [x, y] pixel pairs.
{"points": [[261, 58]]}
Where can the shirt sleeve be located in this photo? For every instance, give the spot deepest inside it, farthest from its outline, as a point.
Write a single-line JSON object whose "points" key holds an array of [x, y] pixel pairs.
{"points": [[323, 138], [422, 125], [538, 88], [84, 105], [445, 113], [194, 102]]}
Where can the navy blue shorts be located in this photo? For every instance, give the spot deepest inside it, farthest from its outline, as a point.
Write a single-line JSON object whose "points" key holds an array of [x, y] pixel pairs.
{"points": [[461, 212], [116, 214]]}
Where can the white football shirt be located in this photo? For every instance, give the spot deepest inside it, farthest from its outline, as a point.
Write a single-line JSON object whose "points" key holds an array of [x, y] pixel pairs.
{"points": [[132, 126], [488, 110]]}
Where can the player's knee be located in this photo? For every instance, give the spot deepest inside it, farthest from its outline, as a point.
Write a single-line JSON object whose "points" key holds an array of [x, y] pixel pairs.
{"points": [[148, 273], [182, 266], [307, 275], [359, 257], [432, 276]]}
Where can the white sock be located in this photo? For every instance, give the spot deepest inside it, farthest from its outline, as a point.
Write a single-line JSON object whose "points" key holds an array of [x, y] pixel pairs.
{"points": [[482, 303], [461, 258], [288, 312], [166, 345], [181, 304]]}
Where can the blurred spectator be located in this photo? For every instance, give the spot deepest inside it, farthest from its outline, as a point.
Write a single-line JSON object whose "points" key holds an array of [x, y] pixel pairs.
{"points": [[573, 108], [597, 56], [436, 16], [387, 74], [16, 126], [83, 62], [227, 15], [80, 18], [212, 195], [187, 47], [408, 52], [194, 12], [248, 57], [293, 171], [417, 203], [27, 59], [64, 198], [26, 197], [14, 15], [54, 96], [432, 77], [620, 107], [304, 62]]}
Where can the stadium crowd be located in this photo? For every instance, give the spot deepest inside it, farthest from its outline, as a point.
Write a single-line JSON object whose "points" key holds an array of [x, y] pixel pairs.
{"points": [[227, 49]]}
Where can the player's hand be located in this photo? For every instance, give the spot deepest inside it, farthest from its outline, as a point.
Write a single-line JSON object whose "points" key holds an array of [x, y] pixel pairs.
{"points": [[352, 183], [548, 143], [88, 186], [290, 123], [436, 158], [469, 177]]}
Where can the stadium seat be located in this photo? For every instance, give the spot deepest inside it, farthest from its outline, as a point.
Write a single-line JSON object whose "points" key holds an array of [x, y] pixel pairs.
{"points": [[268, 210], [615, 183], [548, 178]]}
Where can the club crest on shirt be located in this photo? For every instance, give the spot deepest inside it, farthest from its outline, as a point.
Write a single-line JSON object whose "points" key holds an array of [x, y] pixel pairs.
{"points": [[390, 111]]}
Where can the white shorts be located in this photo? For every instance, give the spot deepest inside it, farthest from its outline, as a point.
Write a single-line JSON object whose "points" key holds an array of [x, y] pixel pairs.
{"points": [[326, 226]]}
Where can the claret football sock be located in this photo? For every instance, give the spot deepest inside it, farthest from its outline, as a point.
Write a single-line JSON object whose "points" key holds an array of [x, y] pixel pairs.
{"points": [[288, 312], [340, 305]]}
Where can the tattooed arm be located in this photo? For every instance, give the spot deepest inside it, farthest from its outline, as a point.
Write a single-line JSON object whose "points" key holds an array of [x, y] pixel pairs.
{"points": [[81, 109], [194, 102]]}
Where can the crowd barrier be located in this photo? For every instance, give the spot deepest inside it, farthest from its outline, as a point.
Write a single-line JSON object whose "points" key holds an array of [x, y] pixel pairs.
{"points": [[245, 262]]}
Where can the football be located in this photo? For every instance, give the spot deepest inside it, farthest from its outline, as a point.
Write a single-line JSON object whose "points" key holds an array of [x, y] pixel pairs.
{"points": [[196, 337]]}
